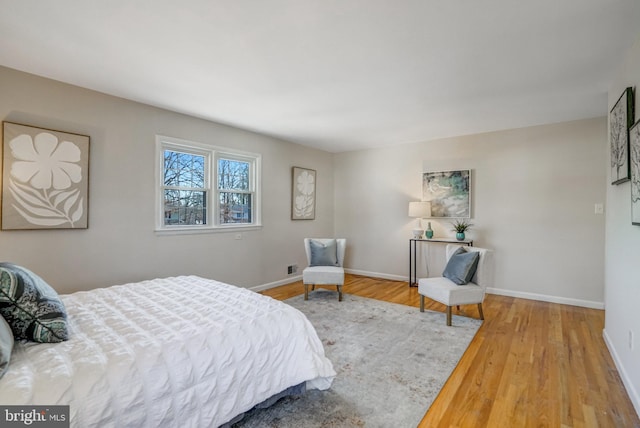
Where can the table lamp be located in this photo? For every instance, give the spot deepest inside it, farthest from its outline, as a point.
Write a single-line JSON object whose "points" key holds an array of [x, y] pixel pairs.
{"points": [[419, 210]]}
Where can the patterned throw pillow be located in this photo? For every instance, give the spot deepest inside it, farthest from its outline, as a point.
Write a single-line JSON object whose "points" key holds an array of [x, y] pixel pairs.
{"points": [[6, 345], [31, 307]]}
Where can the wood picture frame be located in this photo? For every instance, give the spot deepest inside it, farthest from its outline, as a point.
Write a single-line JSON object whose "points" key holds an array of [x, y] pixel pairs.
{"points": [[303, 194], [449, 193], [621, 118], [45, 178]]}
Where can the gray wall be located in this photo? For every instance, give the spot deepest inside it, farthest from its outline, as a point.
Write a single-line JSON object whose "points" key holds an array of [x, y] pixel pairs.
{"points": [[533, 196], [120, 244], [622, 265]]}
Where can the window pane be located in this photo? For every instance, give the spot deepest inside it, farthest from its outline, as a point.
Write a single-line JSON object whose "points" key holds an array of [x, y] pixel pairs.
{"points": [[235, 208], [183, 169], [233, 175], [185, 207]]}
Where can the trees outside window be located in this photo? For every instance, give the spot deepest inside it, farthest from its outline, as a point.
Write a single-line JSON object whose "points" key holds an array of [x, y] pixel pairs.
{"points": [[234, 191], [205, 187]]}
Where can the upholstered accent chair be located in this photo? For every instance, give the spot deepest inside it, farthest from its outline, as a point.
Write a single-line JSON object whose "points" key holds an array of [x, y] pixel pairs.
{"points": [[449, 293], [326, 259]]}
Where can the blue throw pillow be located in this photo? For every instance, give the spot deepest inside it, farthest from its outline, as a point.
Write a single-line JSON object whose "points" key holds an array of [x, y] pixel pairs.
{"points": [[6, 345], [323, 253], [31, 307], [462, 266]]}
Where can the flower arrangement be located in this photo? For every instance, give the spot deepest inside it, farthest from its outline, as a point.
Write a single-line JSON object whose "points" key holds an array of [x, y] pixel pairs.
{"points": [[461, 225]]}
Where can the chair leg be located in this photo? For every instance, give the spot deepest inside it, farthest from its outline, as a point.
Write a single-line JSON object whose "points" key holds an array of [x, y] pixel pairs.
{"points": [[421, 303], [339, 292], [306, 292], [449, 315], [480, 310], [458, 307], [313, 287]]}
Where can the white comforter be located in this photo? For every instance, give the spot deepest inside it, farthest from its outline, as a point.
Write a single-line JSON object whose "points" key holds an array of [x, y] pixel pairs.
{"points": [[175, 352]]}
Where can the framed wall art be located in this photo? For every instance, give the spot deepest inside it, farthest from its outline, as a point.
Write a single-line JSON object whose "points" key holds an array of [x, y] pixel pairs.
{"points": [[303, 194], [634, 156], [45, 178], [449, 193], [621, 118]]}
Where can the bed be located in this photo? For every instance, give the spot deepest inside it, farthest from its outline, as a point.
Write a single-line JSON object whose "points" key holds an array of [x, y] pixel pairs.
{"points": [[183, 351]]}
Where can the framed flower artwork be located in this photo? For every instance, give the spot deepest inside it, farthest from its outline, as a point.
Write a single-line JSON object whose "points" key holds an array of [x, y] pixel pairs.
{"points": [[303, 194], [45, 178]]}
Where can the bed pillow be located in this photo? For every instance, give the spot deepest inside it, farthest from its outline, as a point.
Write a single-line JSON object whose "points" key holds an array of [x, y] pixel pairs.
{"points": [[6, 346], [31, 307], [323, 253], [462, 266]]}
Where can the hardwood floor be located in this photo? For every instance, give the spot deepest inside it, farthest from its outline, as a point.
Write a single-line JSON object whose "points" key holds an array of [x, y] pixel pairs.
{"points": [[530, 364]]}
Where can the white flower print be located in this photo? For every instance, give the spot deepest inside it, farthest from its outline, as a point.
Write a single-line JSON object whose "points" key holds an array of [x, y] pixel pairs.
{"points": [[43, 175], [304, 195], [45, 163], [305, 183]]}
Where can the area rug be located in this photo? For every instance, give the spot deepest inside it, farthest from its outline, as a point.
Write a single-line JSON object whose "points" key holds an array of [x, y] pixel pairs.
{"points": [[391, 361]]}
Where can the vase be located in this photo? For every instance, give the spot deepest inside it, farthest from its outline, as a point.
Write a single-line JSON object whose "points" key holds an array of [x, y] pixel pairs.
{"points": [[460, 236], [429, 231]]}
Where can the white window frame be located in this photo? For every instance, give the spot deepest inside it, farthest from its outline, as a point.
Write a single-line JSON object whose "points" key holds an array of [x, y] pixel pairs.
{"points": [[212, 154]]}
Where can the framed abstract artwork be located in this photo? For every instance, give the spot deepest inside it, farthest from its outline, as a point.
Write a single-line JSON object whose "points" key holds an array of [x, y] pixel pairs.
{"points": [[634, 157], [303, 194], [621, 118], [449, 193], [45, 178]]}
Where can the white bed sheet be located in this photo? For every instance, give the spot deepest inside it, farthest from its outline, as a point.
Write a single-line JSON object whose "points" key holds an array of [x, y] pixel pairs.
{"points": [[174, 352]]}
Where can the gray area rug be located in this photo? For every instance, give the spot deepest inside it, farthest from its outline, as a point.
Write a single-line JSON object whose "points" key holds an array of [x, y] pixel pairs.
{"points": [[391, 362]]}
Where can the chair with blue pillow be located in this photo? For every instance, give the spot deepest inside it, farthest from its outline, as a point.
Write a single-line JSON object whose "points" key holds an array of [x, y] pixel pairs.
{"points": [[325, 258], [468, 273]]}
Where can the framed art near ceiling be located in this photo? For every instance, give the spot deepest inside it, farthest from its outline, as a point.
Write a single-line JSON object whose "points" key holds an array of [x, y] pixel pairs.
{"points": [[303, 194], [634, 156], [449, 193], [621, 118], [45, 178]]}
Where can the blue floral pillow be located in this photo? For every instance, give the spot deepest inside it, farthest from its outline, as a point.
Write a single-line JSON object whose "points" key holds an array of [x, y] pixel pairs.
{"points": [[31, 307]]}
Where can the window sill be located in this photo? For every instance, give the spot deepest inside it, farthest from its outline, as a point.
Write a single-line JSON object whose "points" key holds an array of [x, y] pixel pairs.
{"points": [[190, 230]]}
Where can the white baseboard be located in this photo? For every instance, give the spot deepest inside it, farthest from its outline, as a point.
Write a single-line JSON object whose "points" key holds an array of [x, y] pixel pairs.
{"points": [[269, 285], [547, 298], [490, 290], [500, 291], [633, 393]]}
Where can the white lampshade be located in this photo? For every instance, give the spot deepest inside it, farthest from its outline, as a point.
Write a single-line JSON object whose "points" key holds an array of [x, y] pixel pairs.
{"points": [[420, 209]]}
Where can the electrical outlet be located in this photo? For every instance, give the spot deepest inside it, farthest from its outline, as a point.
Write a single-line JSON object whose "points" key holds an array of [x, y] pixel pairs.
{"points": [[291, 269], [630, 340], [599, 209]]}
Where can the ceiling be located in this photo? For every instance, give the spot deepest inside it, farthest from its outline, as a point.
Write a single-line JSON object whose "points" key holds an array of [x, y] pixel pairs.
{"points": [[338, 75]]}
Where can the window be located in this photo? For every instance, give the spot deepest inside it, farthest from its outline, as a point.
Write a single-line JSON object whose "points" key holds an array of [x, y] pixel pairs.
{"points": [[205, 188], [185, 185]]}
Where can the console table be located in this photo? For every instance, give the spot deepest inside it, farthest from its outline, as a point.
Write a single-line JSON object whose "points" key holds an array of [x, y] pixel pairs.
{"points": [[413, 275]]}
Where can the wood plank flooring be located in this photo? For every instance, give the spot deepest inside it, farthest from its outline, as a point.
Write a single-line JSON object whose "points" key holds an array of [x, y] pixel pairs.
{"points": [[531, 364]]}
